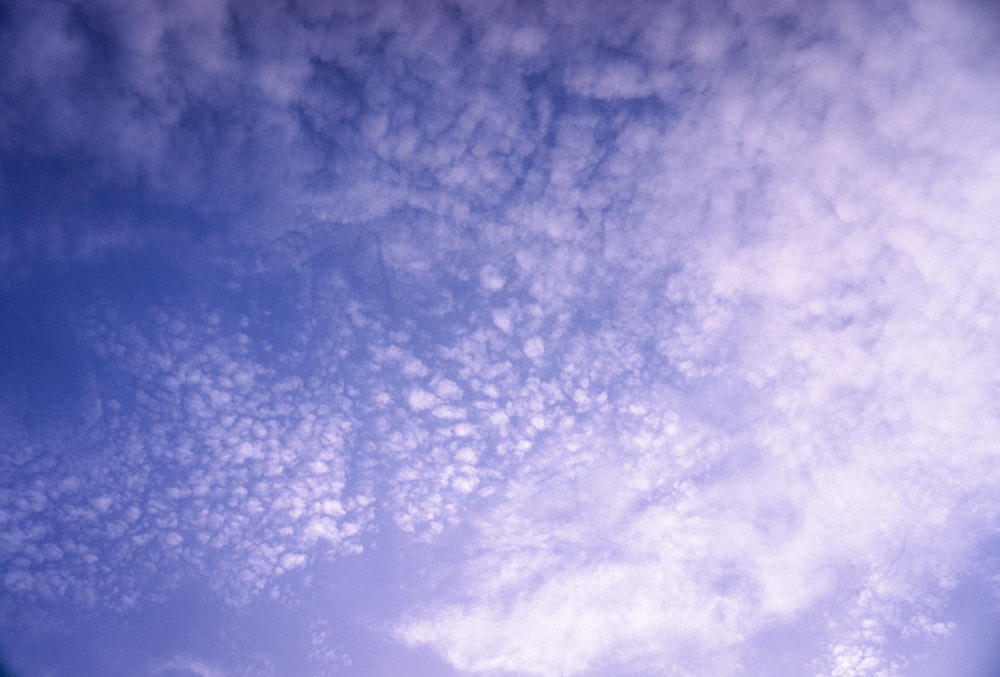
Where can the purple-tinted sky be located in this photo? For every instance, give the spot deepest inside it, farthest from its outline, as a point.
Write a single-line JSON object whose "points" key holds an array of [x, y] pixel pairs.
{"points": [[499, 338]]}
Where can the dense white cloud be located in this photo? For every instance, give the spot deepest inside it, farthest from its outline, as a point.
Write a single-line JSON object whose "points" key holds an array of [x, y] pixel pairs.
{"points": [[813, 332]]}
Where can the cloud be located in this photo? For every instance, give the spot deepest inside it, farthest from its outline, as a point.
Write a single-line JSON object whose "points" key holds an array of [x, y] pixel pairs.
{"points": [[199, 467], [855, 394], [665, 329], [187, 666]]}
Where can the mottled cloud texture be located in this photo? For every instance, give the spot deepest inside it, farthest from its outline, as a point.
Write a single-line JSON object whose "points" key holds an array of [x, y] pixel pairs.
{"points": [[638, 338]]}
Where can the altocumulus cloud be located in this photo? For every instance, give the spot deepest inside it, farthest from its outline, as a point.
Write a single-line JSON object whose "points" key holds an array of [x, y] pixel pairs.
{"points": [[579, 339]]}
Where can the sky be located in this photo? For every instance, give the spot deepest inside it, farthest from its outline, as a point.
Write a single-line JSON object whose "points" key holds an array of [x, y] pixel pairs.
{"points": [[499, 338]]}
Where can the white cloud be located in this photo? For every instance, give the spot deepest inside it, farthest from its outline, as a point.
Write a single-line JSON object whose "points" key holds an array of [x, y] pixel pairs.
{"points": [[502, 319], [292, 560], [490, 279], [755, 250], [827, 354], [191, 665], [420, 399], [534, 348]]}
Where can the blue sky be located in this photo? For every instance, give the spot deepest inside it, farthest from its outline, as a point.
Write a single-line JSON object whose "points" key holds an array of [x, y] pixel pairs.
{"points": [[499, 338]]}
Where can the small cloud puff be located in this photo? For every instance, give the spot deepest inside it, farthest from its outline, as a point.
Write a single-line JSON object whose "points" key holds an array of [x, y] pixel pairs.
{"points": [[534, 348]]}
